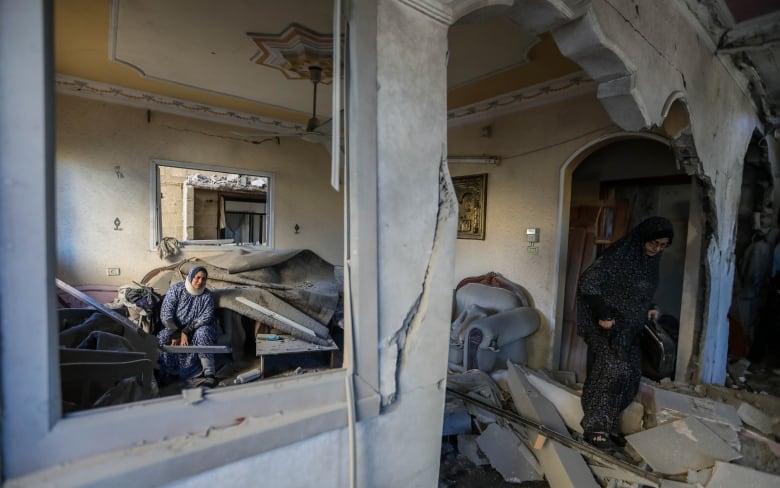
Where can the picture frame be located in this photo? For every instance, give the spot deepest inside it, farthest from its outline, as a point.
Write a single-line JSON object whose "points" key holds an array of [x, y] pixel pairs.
{"points": [[471, 192]]}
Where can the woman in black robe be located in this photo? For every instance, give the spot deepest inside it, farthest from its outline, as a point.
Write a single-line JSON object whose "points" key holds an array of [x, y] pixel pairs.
{"points": [[614, 300]]}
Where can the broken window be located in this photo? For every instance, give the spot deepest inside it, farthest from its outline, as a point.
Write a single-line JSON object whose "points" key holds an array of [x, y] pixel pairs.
{"points": [[198, 204]]}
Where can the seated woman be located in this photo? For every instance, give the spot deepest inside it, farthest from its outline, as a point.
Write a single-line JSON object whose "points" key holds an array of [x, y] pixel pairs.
{"points": [[188, 316]]}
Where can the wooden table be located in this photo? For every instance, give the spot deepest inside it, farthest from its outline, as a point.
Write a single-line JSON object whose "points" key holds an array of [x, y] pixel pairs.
{"points": [[289, 345]]}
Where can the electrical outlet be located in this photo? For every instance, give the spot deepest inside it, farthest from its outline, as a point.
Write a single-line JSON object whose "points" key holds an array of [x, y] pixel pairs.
{"points": [[533, 250], [112, 271]]}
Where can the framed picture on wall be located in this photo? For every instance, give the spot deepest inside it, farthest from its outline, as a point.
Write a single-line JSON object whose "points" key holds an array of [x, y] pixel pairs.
{"points": [[471, 192]]}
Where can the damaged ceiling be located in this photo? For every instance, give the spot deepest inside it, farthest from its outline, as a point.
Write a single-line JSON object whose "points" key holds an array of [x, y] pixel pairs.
{"points": [[244, 58], [748, 32]]}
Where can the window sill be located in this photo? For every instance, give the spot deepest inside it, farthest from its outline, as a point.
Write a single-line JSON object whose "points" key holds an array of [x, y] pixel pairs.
{"points": [[239, 422]]}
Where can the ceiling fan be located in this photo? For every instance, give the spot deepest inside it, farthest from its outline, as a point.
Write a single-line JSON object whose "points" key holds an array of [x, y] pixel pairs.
{"points": [[314, 131]]}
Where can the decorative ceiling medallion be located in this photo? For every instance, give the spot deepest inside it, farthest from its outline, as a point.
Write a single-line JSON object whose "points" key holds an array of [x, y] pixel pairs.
{"points": [[294, 50]]}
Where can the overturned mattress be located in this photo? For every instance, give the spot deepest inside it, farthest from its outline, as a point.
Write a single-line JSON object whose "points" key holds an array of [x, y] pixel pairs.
{"points": [[296, 284]]}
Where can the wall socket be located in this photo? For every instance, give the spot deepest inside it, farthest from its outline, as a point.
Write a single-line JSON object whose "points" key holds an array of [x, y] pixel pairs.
{"points": [[112, 271], [533, 250]]}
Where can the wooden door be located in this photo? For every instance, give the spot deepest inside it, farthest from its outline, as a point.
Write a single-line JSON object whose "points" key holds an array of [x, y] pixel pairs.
{"points": [[592, 227]]}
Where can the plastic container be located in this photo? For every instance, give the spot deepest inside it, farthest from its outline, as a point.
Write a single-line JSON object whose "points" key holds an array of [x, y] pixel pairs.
{"points": [[248, 376], [269, 337]]}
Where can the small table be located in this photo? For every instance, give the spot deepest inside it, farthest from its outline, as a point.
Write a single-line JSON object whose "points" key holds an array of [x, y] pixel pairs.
{"points": [[289, 345]]}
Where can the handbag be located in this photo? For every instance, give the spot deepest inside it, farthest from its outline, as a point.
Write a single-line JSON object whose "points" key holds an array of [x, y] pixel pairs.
{"points": [[659, 352]]}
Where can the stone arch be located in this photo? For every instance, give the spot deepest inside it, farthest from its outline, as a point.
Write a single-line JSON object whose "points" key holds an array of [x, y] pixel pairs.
{"points": [[579, 36]]}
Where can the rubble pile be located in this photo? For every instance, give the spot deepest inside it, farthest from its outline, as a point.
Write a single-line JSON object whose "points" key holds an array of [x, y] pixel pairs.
{"points": [[525, 424]]}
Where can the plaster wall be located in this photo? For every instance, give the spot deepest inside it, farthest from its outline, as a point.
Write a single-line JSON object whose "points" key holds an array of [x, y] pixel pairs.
{"points": [[523, 191], [95, 137], [675, 61]]}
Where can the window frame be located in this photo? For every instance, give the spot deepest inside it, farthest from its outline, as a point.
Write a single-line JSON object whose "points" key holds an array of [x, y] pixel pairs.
{"points": [[155, 218], [42, 446]]}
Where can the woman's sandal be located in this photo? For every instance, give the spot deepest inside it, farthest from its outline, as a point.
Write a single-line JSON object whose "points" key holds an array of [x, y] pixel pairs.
{"points": [[600, 440]]}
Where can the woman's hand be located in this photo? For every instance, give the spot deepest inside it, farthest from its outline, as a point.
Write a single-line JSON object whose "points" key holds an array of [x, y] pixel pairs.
{"points": [[185, 341], [652, 314], [606, 324]]}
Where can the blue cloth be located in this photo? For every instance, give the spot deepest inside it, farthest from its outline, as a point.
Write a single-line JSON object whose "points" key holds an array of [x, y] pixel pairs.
{"points": [[193, 315]]}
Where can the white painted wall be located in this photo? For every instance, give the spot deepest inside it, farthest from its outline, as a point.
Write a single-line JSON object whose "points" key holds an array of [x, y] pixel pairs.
{"points": [[523, 191], [93, 137]]}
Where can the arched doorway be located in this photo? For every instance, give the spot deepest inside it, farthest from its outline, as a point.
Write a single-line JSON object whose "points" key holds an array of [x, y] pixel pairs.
{"points": [[615, 185]]}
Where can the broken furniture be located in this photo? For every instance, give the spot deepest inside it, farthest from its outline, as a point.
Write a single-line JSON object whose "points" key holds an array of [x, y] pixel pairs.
{"points": [[289, 345], [88, 376], [493, 316], [293, 292], [105, 358]]}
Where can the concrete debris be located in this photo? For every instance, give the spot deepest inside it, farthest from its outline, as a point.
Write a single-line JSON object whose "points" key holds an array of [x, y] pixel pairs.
{"points": [[479, 385], [699, 478], [563, 466], [632, 418], [770, 404], [680, 446], [726, 475], [191, 396], [457, 419], [467, 445], [755, 418], [508, 455], [664, 405], [738, 370], [609, 474], [685, 436], [677, 484], [566, 401], [726, 432]]}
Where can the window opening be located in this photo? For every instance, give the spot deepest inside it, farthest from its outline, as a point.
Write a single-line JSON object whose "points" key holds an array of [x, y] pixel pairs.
{"points": [[199, 204], [244, 220]]}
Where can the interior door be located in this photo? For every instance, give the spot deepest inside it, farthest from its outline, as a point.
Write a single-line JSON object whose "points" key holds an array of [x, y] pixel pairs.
{"points": [[592, 227]]}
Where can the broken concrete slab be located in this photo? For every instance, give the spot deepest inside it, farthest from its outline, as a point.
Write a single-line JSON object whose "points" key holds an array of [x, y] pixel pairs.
{"points": [[677, 484], [678, 447], [755, 418], [563, 467], [726, 432], [727, 475], [769, 404], [477, 384], [699, 478], [508, 454], [749, 435], [467, 445], [566, 401], [608, 473], [660, 402]]}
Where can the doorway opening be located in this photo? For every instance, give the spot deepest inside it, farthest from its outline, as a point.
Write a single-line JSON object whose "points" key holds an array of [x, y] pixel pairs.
{"points": [[613, 189]]}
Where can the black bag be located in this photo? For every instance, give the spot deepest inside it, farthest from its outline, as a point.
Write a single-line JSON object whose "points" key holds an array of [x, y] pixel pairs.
{"points": [[659, 352]]}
